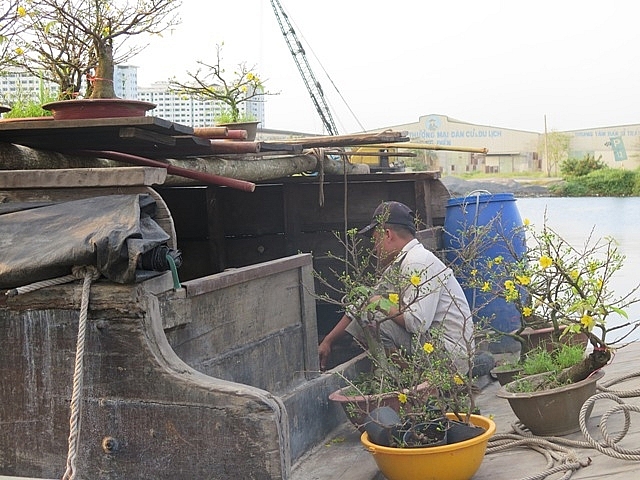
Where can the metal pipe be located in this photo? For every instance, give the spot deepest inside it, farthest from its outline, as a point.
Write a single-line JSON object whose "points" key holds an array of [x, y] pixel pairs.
{"points": [[207, 178]]}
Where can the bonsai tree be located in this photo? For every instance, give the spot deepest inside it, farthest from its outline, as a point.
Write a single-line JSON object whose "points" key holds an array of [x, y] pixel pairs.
{"points": [[566, 286], [66, 40], [10, 14], [211, 82], [427, 381]]}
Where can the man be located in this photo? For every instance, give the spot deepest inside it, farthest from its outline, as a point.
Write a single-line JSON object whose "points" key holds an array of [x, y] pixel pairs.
{"points": [[440, 304]]}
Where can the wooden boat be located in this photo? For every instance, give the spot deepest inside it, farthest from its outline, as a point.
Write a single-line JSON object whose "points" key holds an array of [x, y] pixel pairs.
{"points": [[215, 376]]}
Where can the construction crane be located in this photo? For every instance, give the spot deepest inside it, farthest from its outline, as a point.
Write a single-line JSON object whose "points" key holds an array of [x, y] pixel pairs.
{"points": [[299, 56]]}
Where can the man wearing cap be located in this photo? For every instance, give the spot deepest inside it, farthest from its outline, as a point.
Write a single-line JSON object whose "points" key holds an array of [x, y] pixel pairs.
{"points": [[441, 303]]}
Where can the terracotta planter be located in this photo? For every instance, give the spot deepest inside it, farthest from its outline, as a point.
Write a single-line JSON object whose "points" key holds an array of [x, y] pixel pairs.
{"points": [[357, 407], [550, 412], [250, 127], [544, 337], [97, 108], [456, 461]]}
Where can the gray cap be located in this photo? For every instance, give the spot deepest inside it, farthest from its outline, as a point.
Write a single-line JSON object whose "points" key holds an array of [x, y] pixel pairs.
{"points": [[394, 213]]}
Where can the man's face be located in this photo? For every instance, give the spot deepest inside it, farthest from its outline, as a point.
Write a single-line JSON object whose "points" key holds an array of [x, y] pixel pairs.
{"points": [[381, 238]]}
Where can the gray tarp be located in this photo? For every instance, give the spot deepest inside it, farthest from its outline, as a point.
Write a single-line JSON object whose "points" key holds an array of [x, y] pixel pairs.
{"points": [[110, 232]]}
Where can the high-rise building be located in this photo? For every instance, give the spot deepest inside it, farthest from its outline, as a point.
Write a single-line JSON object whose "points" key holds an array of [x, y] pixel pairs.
{"points": [[18, 85]]}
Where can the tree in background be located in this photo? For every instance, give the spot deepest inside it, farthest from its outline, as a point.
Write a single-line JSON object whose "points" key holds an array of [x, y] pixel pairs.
{"points": [[554, 148], [68, 40]]}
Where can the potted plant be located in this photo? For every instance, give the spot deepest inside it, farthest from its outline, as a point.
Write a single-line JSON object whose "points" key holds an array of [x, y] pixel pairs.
{"points": [[72, 40], [422, 386], [571, 288], [211, 82]]}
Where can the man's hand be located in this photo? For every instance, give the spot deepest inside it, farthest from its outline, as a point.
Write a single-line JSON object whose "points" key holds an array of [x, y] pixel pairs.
{"points": [[324, 352]]}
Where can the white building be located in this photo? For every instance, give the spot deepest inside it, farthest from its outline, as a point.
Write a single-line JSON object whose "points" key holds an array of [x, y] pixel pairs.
{"points": [[15, 84]]}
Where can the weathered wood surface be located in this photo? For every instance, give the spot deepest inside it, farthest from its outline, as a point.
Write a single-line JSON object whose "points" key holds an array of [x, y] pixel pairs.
{"points": [[168, 420], [342, 457], [82, 177]]}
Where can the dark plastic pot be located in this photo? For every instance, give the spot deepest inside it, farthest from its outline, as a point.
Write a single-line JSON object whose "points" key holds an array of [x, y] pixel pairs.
{"points": [[382, 426]]}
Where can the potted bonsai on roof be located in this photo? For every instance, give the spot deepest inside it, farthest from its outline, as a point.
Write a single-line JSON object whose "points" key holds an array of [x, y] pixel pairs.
{"points": [[71, 40], [234, 90]]}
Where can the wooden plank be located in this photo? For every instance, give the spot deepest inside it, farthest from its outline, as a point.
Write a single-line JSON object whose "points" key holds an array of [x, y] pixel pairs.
{"points": [[159, 124], [146, 135], [82, 177]]}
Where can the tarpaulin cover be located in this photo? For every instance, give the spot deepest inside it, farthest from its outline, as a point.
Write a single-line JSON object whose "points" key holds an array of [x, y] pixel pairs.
{"points": [[110, 232]]}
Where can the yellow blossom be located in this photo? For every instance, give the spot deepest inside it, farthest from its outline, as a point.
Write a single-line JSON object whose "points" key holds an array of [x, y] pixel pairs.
{"points": [[526, 311], [509, 285], [22, 11], [402, 397], [545, 261], [393, 298], [19, 51], [587, 321], [427, 347], [486, 287], [526, 222], [523, 279], [574, 274], [498, 260], [457, 379], [415, 280], [599, 283], [474, 272]]}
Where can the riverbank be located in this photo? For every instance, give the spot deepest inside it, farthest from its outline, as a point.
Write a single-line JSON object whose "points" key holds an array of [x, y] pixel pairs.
{"points": [[520, 187]]}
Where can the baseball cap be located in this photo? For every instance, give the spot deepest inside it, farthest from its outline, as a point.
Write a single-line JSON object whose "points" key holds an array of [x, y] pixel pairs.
{"points": [[394, 213]]}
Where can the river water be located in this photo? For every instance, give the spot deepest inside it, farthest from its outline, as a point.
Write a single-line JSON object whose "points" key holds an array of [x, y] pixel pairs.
{"points": [[574, 219]]}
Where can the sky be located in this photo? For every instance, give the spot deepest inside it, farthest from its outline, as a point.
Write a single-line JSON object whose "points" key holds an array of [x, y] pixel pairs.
{"points": [[507, 64]]}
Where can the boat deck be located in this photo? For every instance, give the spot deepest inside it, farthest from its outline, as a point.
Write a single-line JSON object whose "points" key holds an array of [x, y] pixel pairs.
{"points": [[342, 457]]}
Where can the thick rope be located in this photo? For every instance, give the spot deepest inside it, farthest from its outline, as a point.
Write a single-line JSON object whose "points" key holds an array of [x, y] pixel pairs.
{"points": [[559, 459], [32, 287], [88, 274]]}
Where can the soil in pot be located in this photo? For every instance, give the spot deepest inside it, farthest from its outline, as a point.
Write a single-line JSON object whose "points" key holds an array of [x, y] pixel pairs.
{"points": [[428, 434]]}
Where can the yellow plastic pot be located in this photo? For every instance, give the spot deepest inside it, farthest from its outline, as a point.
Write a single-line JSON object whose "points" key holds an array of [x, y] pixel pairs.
{"points": [[457, 461]]}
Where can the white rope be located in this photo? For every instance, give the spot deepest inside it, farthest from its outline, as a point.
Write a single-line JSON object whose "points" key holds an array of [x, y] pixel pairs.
{"points": [[89, 273], [608, 445], [32, 287], [559, 459]]}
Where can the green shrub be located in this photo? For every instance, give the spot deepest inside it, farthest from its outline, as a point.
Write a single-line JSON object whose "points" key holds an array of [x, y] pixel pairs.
{"points": [[574, 167], [609, 182]]}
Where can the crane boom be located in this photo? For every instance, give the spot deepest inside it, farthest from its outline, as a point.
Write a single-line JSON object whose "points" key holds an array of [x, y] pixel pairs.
{"points": [[299, 56]]}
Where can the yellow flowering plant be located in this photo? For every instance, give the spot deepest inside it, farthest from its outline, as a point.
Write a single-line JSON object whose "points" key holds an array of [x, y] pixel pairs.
{"points": [[555, 283], [423, 383]]}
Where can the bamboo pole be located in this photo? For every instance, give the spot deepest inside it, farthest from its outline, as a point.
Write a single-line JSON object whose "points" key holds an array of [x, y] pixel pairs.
{"points": [[426, 146]]}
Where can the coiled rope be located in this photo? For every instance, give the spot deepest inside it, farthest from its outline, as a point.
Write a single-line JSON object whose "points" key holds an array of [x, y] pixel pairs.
{"points": [[561, 459], [88, 274]]}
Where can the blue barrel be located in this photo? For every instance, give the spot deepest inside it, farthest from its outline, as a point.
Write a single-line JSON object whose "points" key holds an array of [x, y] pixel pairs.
{"points": [[503, 235]]}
